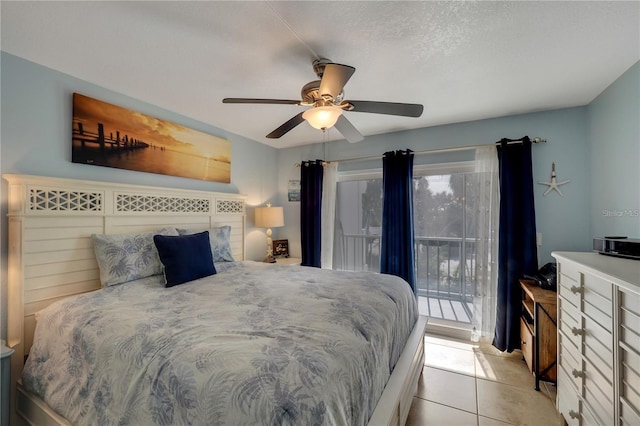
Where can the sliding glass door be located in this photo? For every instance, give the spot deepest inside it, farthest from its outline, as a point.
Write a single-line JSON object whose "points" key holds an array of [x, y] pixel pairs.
{"points": [[445, 235]]}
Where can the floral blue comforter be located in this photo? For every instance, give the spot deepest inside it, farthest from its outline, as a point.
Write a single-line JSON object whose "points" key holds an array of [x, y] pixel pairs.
{"points": [[254, 344]]}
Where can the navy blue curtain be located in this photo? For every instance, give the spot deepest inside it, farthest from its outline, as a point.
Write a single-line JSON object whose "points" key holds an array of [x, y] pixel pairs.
{"points": [[396, 248], [517, 254], [311, 173]]}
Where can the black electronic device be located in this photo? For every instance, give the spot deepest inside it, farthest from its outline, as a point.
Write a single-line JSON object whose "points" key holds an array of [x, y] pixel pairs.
{"points": [[546, 277], [618, 246]]}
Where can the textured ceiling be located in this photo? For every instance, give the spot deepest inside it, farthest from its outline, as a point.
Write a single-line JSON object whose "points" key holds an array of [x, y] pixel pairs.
{"points": [[462, 60]]}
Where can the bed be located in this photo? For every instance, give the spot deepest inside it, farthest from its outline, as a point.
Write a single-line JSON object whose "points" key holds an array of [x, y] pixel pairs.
{"points": [[53, 272]]}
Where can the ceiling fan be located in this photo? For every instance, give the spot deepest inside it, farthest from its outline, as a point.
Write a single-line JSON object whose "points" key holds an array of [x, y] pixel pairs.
{"points": [[326, 97]]}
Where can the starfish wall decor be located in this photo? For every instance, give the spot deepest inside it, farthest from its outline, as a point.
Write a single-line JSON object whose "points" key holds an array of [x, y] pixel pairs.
{"points": [[554, 185]]}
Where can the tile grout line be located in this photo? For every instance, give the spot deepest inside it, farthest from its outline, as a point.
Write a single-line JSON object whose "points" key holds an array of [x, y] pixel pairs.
{"points": [[445, 405], [478, 366]]}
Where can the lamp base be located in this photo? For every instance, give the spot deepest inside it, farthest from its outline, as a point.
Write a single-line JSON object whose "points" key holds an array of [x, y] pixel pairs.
{"points": [[269, 259]]}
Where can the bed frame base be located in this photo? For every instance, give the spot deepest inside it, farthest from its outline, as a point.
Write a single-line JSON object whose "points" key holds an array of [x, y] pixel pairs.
{"points": [[34, 411], [395, 402]]}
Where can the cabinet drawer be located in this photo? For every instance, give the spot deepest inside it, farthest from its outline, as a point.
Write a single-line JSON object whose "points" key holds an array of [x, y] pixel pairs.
{"points": [[629, 317], [598, 394], [568, 400], [570, 290], [629, 347], [628, 415], [597, 286], [570, 361], [570, 322], [630, 301], [630, 376], [598, 343], [569, 356], [601, 358], [588, 419], [570, 270], [526, 343], [629, 331], [598, 307]]}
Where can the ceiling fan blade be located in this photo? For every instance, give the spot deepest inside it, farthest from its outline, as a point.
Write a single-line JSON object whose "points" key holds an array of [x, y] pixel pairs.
{"points": [[259, 101], [334, 77], [347, 130], [390, 108], [289, 125]]}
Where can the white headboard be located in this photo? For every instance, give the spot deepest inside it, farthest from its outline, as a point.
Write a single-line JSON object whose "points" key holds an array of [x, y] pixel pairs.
{"points": [[50, 223]]}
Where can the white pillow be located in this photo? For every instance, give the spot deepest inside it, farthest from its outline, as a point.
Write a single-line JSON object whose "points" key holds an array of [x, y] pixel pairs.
{"points": [[127, 257]]}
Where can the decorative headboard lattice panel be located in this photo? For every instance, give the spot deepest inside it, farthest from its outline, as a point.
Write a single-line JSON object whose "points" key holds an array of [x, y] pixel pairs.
{"points": [[45, 199], [144, 203], [51, 221]]}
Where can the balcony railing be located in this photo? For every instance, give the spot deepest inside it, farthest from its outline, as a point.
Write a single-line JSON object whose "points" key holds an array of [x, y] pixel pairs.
{"points": [[445, 267]]}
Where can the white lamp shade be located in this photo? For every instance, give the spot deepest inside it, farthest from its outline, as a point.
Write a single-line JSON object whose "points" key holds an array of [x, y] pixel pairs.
{"points": [[269, 217], [322, 117]]}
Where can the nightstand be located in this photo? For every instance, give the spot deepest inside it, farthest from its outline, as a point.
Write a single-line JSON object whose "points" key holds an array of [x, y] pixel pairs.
{"points": [[538, 331], [5, 373], [288, 261]]}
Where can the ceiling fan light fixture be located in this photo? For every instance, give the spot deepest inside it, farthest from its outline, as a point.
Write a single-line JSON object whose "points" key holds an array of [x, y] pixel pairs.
{"points": [[322, 117]]}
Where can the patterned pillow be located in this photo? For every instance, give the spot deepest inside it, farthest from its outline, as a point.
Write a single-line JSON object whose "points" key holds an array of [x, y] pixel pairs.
{"points": [[127, 257], [220, 242], [185, 257]]}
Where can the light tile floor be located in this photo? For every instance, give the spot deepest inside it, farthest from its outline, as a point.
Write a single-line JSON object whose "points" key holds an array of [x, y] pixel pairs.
{"points": [[465, 383]]}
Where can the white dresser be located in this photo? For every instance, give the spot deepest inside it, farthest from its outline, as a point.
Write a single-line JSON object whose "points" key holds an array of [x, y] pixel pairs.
{"points": [[598, 339]]}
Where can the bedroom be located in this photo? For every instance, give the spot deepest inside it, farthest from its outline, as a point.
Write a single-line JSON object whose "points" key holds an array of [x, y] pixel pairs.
{"points": [[36, 112]]}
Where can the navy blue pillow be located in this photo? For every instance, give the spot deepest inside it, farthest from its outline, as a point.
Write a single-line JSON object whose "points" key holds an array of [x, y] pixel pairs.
{"points": [[185, 257]]}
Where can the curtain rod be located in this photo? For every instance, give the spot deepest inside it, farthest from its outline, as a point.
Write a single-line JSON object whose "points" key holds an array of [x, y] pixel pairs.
{"points": [[439, 151]]}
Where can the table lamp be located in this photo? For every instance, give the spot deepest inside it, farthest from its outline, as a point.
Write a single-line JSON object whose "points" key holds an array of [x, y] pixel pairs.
{"points": [[269, 217]]}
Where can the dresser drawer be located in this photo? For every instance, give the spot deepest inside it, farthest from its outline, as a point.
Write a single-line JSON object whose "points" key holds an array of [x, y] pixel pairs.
{"points": [[629, 331], [600, 357], [571, 362], [570, 323], [570, 354], [597, 286], [569, 404], [629, 317], [598, 395], [598, 317], [598, 307], [630, 376], [629, 347], [570, 290], [628, 415], [597, 343], [526, 343], [570, 271], [630, 301], [588, 419]]}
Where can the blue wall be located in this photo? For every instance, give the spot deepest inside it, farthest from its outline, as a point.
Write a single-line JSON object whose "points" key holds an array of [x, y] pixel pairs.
{"points": [[563, 221], [614, 140], [36, 139], [595, 146]]}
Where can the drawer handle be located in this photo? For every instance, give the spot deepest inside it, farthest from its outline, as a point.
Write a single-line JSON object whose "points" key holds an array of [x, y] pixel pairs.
{"points": [[573, 414], [575, 289], [577, 331], [577, 373]]}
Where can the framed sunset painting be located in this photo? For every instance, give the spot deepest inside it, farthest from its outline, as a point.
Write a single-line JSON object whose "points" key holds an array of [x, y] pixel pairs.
{"points": [[111, 136]]}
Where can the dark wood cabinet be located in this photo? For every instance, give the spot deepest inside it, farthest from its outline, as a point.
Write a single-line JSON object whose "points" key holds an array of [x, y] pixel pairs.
{"points": [[538, 331]]}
